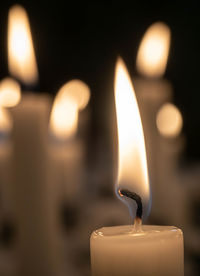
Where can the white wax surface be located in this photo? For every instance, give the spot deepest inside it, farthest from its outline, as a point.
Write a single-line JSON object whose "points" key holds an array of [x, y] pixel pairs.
{"points": [[120, 251], [37, 230]]}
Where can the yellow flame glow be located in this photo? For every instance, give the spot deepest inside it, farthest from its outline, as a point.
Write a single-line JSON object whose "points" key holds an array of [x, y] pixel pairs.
{"points": [[10, 92], [169, 120], [5, 121], [64, 118], [21, 57], [132, 167], [77, 90], [154, 50]]}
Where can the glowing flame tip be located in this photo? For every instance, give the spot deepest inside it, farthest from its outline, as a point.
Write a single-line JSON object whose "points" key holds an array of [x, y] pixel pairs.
{"points": [[154, 50], [21, 57]]}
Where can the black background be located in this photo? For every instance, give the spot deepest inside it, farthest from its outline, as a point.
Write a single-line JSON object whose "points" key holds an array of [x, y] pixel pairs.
{"points": [[82, 40]]}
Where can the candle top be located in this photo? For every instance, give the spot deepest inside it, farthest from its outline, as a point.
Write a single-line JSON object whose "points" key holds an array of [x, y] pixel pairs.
{"points": [[128, 230]]}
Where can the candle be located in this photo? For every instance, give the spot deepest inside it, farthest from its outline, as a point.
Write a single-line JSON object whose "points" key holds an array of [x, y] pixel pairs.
{"points": [[66, 149], [36, 224], [6, 125], [135, 249], [66, 161], [152, 91], [10, 95], [171, 141]]}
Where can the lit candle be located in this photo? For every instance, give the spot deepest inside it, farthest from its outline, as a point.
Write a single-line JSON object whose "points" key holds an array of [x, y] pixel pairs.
{"points": [[10, 94], [171, 141], [66, 160], [66, 149], [152, 91], [37, 229], [140, 250], [6, 125]]}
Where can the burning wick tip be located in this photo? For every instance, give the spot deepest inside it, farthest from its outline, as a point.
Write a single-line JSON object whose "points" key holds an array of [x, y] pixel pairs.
{"points": [[137, 199]]}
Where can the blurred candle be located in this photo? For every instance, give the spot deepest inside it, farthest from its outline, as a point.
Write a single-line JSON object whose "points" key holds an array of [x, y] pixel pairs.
{"points": [[169, 123], [6, 126], [66, 156], [37, 244], [152, 90], [66, 147], [134, 249], [10, 94]]}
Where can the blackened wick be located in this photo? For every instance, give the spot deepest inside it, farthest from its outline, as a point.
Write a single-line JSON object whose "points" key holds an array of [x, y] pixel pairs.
{"points": [[137, 199]]}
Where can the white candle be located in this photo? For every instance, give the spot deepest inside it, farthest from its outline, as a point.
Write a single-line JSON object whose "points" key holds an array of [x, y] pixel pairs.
{"points": [[152, 92], [34, 213], [170, 144], [32, 207], [120, 250], [66, 150], [66, 153], [134, 250], [6, 149]]}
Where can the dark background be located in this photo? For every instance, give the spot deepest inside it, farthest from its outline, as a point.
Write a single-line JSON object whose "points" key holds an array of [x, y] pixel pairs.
{"points": [[82, 40]]}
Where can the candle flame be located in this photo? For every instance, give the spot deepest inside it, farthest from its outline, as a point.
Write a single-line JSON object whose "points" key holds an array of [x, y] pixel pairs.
{"points": [[64, 117], [10, 92], [132, 163], [154, 50], [77, 90], [21, 57], [6, 123], [169, 120]]}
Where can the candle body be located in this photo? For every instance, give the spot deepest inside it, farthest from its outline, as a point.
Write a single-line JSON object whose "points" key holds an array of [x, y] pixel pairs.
{"points": [[37, 247], [119, 251], [5, 177], [151, 95], [168, 207], [66, 168]]}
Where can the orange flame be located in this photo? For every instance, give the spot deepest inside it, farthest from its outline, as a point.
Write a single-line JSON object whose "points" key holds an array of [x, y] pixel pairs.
{"points": [[169, 120], [154, 50], [132, 164], [10, 92], [64, 118], [21, 57], [77, 90]]}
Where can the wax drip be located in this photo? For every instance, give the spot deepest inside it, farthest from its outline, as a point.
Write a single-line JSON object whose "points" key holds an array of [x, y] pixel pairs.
{"points": [[138, 200]]}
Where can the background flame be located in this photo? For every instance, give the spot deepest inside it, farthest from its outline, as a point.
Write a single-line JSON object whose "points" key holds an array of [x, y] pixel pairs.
{"points": [[132, 164], [72, 97], [10, 92], [169, 120], [64, 118], [21, 57], [154, 50], [77, 90]]}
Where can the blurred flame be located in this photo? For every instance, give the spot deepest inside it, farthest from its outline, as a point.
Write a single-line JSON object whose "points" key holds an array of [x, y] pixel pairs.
{"points": [[10, 92], [169, 120], [77, 90], [64, 118], [154, 50], [5, 121], [21, 57], [132, 163]]}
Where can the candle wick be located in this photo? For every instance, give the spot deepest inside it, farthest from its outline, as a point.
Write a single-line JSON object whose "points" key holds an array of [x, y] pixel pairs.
{"points": [[137, 224], [138, 200]]}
